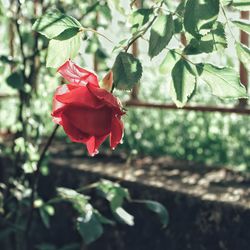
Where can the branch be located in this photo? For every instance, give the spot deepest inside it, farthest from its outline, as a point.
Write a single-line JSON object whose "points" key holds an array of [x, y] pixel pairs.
{"points": [[143, 31], [35, 183]]}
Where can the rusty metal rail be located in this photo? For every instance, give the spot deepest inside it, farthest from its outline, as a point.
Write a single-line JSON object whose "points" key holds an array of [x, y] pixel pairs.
{"points": [[141, 104]]}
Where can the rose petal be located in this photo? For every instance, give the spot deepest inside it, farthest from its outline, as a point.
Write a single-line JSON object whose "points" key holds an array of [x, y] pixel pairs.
{"points": [[94, 122], [77, 75], [116, 132], [57, 106], [80, 96], [106, 97], [94, 143], [73, 133]]}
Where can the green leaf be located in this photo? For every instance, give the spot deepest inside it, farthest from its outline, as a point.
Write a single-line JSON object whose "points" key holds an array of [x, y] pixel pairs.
{"points": [[90, 229], [159, 209], [46, 211], [200, 16], [160, 34], [139, 18], [169, 61], [184, 82], [243, 5], [105, 10], [224, 82], [45, 217], [116, 195], [15, 80], [54, 23], [124, 216], [215, 40], [113, 192], [79, 201], [67, 34], [243, 53], [178, 25], [127, 71], [243, 25], [1, 203], [60, 51], [178, 21], [103, 219]]}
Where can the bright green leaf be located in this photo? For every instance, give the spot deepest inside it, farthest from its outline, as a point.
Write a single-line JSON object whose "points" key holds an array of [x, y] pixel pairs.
{"points": [[215, 40], [60, 51], [242, 5], [79, 201], [15, 80], [159, 209], [124, 216], [127, 71], [243, 53], [200, 16], [243, 25], [90, 229], [160, 34], [54, 23], [184, 82], [224, 82], [169, 61], [116, 195], [139, 18]]}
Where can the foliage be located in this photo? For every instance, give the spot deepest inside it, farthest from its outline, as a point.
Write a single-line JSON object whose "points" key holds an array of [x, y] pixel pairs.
{"points": [[82, 30]]}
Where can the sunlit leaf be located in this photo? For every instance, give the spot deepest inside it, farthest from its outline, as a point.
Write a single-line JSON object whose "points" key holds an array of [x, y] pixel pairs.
{"points": [[54, 23], [127, 71], [224, 82], [79, 201], [243, 53], [59, 51], [213, 41], [200, 16], [124, 216], [116, 195], [243, 25], [160, 34], [183, 82], [243, 5], [169, 61], [139, 18]]}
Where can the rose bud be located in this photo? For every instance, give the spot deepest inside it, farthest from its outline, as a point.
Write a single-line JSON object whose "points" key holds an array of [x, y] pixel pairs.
{"points": [[87, 113]]}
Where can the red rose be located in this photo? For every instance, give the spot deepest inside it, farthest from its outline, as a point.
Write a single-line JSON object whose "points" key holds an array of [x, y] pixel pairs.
{"points": [[87, 113]]}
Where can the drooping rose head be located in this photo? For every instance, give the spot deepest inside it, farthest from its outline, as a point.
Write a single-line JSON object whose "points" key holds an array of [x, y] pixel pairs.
{"points": [[87, 113]]}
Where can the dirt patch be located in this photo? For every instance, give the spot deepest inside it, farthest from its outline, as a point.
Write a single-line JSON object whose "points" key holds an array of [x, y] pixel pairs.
{"points": [[208, 207]]}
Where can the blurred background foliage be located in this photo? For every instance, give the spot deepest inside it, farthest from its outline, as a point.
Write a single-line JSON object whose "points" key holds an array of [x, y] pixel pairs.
{"points": [[26, 92], [211, 138]]}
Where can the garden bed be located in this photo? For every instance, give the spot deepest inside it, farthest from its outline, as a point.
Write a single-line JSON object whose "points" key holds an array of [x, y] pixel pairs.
{"points": [[209, 207]]}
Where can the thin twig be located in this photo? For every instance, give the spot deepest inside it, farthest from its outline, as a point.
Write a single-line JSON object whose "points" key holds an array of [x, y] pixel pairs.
{"points": [[143, 31], [35, 183]]}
